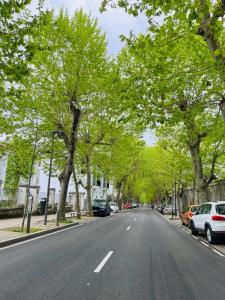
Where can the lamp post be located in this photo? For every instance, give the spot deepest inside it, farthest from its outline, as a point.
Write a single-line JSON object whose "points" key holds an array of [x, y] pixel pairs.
{"points": [[175, 196]]}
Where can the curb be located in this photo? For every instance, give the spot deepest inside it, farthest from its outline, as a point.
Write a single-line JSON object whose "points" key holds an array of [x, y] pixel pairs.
{"points": [[36, 234]]}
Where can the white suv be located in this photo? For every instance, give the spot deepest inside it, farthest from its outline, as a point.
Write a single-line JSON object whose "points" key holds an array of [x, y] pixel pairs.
{"points": [[210, 220]]}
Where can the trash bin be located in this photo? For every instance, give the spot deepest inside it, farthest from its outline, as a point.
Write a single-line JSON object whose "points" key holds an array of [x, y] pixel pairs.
{"points": [[42, 206]]}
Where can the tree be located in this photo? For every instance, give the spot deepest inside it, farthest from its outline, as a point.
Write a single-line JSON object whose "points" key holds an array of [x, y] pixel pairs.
{"points": [[67, 72], [179, 19], [175, 90]]}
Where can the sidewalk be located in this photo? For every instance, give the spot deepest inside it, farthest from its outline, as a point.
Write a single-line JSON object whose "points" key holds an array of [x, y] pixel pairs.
{"points": [[37, 223]]}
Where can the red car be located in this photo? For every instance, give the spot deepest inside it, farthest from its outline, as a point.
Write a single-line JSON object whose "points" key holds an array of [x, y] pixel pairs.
{"points": [[127, 205]]}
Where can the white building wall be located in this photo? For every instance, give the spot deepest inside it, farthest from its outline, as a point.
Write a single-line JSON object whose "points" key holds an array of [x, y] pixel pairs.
{"points": [[39, 185]]}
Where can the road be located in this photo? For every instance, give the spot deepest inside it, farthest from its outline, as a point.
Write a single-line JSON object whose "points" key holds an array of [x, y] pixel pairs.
{"points": [[136, 255]]}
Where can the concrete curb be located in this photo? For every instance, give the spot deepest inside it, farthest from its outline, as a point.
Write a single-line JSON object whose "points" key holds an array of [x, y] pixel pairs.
{"points": [[34, 235]]}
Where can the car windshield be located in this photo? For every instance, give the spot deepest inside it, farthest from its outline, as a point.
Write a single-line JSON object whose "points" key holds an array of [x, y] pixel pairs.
{"points": [[99, 202], [220, 209]]}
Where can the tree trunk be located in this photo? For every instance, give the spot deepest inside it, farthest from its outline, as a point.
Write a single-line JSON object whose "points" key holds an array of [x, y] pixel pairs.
{"points": [[118, 200], [70, 143], [201, 182], [194, 141], [179, 191], [123, 185], [88, 188], [77, 206]]}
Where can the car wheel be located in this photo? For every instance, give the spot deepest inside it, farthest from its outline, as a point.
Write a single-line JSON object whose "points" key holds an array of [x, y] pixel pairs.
{"points": [[210, 235], [193, 229]]}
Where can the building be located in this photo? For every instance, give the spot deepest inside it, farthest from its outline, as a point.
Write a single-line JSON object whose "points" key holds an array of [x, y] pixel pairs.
{"points": [[101, 188]]}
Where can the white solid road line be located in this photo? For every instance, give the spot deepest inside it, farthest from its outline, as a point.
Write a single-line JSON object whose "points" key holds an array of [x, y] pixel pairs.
{"points": [[204, 244], [103, 262], [217, 252], [128, 228]]}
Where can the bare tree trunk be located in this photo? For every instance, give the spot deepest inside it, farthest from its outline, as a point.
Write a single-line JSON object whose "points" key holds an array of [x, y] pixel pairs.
{"points": [[88, 188], [77, 206], [179, 197], [118, 200], [64, 183], [194, 141], [201, 182]]}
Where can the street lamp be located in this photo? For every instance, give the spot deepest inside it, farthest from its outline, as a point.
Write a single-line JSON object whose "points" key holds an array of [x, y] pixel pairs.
{"points": [[50, 175]]}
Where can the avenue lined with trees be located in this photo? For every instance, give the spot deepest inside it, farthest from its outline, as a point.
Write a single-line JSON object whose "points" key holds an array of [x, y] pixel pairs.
{"points": [[56, 76]]}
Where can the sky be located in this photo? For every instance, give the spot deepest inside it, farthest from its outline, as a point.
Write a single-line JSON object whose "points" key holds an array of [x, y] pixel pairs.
{"points": [[113, 22]]}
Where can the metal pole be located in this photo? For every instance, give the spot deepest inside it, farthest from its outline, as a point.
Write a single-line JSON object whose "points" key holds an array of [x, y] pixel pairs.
{"points": [[29, 182], [49, 180], [172, 201], [175, 197]]}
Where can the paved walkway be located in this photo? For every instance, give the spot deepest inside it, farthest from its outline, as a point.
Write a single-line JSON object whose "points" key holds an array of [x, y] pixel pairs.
{"points": [[36, 222]]}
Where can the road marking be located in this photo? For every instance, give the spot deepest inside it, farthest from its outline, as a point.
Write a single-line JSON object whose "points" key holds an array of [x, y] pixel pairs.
{"points": [[204, 244], [187, 232], [128, 228], [103, 262], [135, 219], [194, 237], [217, 252], [182, 228]]}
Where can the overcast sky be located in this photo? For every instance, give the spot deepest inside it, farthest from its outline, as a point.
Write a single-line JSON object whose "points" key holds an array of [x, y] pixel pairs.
{"points": [[114, 22]]}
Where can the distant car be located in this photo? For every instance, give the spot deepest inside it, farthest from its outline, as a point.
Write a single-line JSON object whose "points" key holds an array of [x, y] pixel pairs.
{"points": [[161, 209], [187, 214], [100, 208], [114, 207], [127, 205], [168, 210], [209, 219], [134, 204]]}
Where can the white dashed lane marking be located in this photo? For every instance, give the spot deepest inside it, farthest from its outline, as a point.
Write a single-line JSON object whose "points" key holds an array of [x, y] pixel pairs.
{"points": [[217, 252], [103, 262], [204, 244]]}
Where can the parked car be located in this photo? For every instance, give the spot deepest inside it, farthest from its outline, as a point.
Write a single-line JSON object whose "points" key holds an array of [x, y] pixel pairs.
{"points": [[161, 209], [127, 205], [100, 208], [114, 207], [209, 219], [134, 205], [168, 210], [187, 214]]}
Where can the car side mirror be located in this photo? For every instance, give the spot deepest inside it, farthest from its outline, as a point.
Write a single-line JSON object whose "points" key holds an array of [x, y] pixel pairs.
{"points": [[196, 213]]}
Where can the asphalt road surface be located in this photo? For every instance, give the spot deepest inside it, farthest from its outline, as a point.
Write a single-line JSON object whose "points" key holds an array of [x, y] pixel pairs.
{"points": [[136, 255]]}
